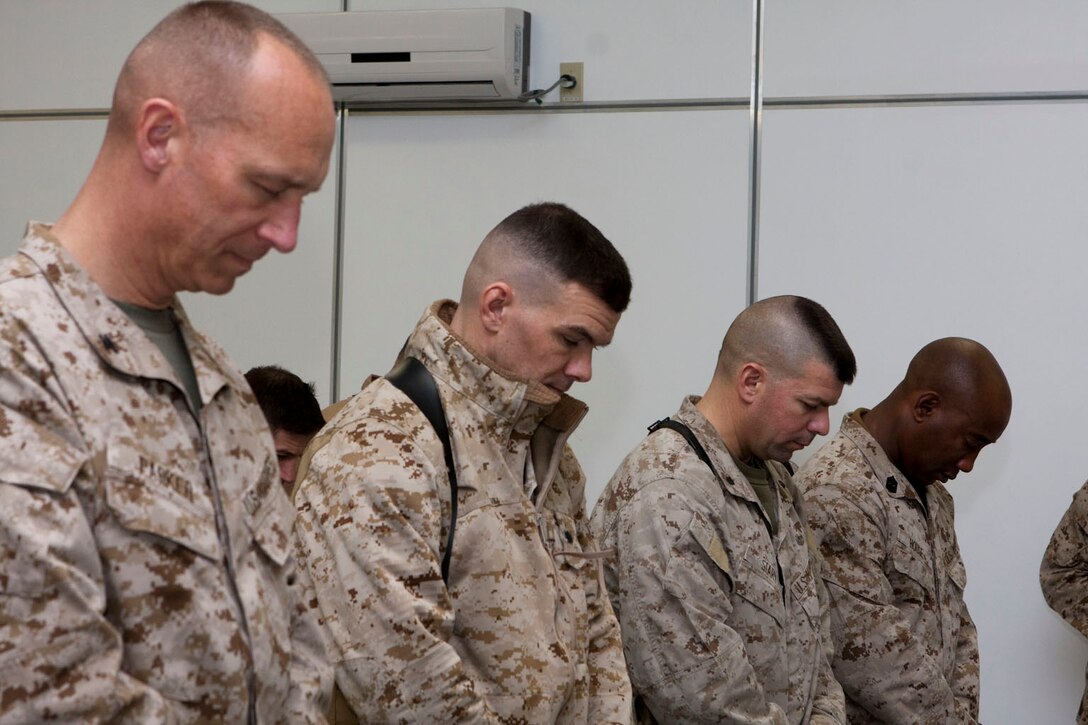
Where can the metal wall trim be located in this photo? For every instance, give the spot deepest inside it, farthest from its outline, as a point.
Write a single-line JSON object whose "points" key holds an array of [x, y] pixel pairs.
{"points": [[664, 104], [676, 104], [56, 114], [924, 99], [754, 145], [338, 255]]}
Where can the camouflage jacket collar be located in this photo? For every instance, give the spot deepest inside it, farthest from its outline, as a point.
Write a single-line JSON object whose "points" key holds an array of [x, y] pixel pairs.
{"points": [[117, 340], [733, 481], [890, 478], [524, 405]]}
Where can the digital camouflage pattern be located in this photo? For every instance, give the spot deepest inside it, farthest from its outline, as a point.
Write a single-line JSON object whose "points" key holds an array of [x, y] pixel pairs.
{"points": [[524, 633], [906, 650], [1064, 573], [710, 631], [146, 567]]}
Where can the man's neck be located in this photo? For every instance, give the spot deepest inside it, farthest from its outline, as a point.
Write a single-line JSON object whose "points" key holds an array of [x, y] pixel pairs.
{"points": [[719, 414], [96, 236], [880, 422]]}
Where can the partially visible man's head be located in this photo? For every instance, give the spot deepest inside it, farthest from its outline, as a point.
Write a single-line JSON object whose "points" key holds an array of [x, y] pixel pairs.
{"points": [[953, 402], [231, 120], [292, 412], [783, 362], [544, 289]]}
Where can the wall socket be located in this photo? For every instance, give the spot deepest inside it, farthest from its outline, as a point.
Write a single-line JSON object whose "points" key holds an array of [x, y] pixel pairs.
{"points": [[576, 94]]}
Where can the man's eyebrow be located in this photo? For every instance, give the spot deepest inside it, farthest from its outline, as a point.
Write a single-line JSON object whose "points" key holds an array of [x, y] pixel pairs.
{"points": [[285, 181], [585, 334]]}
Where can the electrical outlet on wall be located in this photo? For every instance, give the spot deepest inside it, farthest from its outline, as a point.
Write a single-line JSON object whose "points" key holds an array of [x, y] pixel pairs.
{"points": [[575, 94]]}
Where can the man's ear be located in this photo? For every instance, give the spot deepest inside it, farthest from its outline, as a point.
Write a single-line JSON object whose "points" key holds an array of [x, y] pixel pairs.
{"points": [[751, 378], [158, 123], [926, 404], [494, 303]]}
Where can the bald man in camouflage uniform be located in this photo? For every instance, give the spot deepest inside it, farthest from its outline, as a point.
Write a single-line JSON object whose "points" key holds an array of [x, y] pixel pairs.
{"points": [[146, 563], [521, 632], [906, 650], [709, 569], [1064, 573]]}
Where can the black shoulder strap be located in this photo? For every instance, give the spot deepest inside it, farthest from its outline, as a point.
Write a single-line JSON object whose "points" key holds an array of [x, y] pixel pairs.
{"points": [[688, 436], [693, 441], [414, 380]]}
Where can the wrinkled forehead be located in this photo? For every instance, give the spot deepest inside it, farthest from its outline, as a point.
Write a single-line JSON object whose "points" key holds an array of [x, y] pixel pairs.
{"points": [[985, 413], [574, 307], [816, 380]]}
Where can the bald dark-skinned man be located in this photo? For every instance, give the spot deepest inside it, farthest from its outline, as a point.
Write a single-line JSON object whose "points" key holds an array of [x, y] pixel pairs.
{"points": [[146, 567], [906, 649], [509, 624], [709, 569]]}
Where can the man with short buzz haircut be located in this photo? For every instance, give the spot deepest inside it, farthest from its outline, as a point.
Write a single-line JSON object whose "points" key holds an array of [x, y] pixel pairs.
{"points": [[709, 569], [292, 411], [146, 565], [509, 624], [905, 647]]}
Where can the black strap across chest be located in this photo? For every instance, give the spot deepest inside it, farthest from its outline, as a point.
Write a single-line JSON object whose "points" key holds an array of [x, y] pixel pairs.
{"points": [[413, 379]]}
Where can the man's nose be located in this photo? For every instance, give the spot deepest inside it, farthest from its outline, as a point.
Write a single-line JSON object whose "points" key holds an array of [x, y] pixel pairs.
{"points": [[821, 423], [281, 228], [580, 367], [967, 463]]}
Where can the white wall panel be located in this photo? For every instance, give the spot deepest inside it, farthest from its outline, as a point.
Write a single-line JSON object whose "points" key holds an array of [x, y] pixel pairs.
{"points": [[668, 188], [67, 53], [911, 224], [45, 163], [281, 312], [858, 47], [632, 49]]}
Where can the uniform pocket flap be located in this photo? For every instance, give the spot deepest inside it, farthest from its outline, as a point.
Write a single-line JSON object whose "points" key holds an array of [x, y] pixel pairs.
{"points": [[957, 572], [912, 559], [36, 456], [143, 502], [273, 519]]}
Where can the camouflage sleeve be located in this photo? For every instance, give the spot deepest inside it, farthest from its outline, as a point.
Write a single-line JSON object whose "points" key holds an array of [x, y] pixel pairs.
{"points": [[60, 657], [311, 674], [879, 662], [829, 704], [674, 583], [1064, 571], [610, 698], [369, 527], [965, 685]]}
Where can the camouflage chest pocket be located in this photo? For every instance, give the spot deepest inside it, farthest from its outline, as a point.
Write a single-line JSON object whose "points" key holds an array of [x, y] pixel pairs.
{"points": [[750, 576], [270, 515], [805, 595], [164, 507], [911, 566], [957, 572]]}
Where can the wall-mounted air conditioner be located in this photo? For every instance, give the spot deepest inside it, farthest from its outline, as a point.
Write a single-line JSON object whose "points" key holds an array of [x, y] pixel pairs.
{"points": [[400, 55]]}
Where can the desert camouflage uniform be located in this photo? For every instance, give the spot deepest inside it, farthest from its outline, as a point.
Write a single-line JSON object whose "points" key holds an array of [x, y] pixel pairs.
{"points": [[906, 650], [710, 631], [523, 633], [145, 557], [1064, 573]]}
